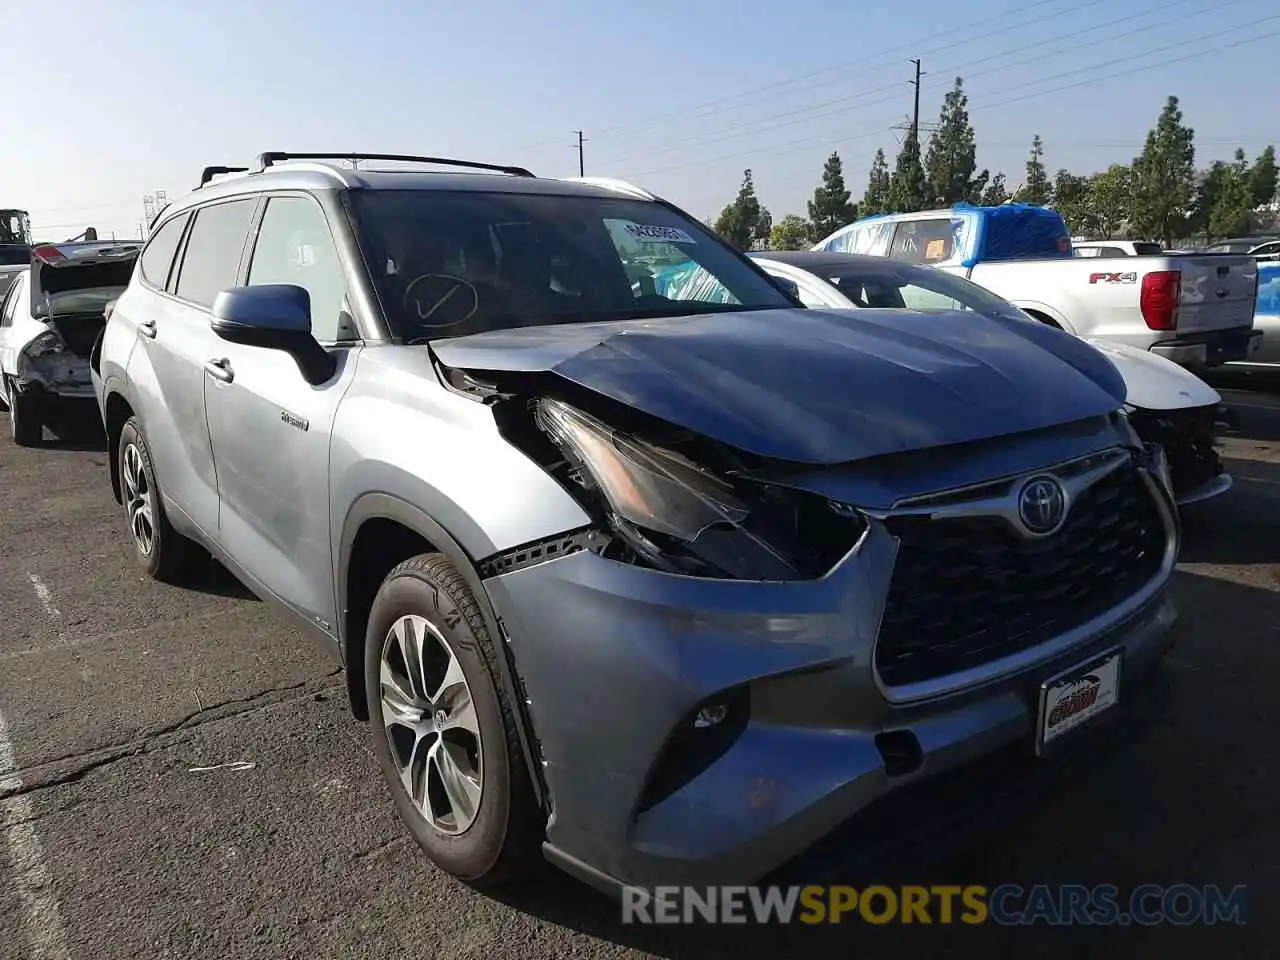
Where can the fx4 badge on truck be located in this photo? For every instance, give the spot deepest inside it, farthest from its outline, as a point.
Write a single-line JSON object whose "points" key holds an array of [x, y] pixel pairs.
{"points": [[1113, 277]]}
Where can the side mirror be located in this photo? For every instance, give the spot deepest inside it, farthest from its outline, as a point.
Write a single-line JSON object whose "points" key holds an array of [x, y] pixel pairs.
{"points": [[273, 316], [788, 286]]}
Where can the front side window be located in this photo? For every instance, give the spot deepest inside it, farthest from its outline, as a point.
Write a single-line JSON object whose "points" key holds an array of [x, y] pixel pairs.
{"points": [[211, 262], [451, 264], [295, 246]]}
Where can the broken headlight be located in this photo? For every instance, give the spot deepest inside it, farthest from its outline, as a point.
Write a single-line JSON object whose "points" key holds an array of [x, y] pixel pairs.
{"points": [[47, 346], [677, 515]]}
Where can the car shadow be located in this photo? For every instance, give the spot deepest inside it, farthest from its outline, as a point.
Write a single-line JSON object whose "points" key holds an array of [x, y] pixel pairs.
{"points": [[76, 432], [1125, 809], [213, 578], [1243, 525]]}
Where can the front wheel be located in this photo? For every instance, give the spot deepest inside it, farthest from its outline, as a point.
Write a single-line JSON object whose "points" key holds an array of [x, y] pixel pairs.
{"points": [[444, 728]]}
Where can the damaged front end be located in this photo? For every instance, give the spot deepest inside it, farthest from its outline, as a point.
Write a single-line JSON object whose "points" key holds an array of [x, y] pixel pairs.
{"points": [[1187, 438], [691, 506]]}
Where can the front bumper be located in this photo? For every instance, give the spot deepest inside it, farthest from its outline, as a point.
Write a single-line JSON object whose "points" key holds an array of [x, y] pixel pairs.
{"points": [[616, 662], [1187, 437]]}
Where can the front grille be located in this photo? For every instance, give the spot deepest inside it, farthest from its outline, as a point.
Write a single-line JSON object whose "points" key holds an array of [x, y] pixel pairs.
{"points": [[967, 591]]}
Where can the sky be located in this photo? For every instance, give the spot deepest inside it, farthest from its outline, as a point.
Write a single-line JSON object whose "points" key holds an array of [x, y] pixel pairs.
{"points": [[114, 99]]}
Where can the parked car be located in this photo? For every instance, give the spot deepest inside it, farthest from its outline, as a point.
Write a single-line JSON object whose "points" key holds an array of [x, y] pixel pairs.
{"points": [[49, 319], [1116, 248], [664, 589], [1167, 404], [15, 245], [1250, 246], [1194, 310]]}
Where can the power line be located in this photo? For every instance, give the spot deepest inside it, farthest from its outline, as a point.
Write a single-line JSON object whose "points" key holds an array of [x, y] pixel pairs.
{"points": [[707, 105], [774, 121], [804, 143]]}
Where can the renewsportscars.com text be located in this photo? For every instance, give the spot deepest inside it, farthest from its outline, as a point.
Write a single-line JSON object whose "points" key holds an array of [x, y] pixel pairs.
{"points": [[971, 904]]}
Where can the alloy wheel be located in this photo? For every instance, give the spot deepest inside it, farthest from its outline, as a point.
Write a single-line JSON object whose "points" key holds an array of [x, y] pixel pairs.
{"points": [[138, 499], [431, 725]]}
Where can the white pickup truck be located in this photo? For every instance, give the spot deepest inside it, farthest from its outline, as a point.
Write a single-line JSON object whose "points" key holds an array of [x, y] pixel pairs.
{"points": [[1194, 310]]}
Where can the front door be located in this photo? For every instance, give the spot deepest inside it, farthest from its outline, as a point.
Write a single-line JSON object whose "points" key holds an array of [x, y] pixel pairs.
{"points": [[270, 428]]}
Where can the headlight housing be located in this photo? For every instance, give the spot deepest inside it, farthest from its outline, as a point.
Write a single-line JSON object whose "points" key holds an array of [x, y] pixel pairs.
{"points": [[678, 516]]}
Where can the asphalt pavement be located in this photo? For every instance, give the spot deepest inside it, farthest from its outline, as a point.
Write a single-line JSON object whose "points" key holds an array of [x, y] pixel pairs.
{"points": [[180, 776]]}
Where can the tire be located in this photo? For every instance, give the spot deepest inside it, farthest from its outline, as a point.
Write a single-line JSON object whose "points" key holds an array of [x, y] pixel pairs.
{"points": [[488, 842], [163, 553], [25, 421]]}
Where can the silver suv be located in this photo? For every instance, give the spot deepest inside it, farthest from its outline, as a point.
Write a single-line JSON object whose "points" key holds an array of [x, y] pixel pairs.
{"points": [[631, 561]]}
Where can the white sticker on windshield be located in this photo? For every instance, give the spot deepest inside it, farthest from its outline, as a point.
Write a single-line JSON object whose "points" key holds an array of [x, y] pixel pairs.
{"points": [[649, 233]]}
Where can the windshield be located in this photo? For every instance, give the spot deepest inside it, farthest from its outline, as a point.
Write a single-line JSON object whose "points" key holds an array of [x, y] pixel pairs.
{"points": [[922, 289], [452, 264]]}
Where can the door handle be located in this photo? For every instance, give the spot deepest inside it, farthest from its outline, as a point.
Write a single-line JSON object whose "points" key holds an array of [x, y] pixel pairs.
{"points": [[220, 369], [147, 328]]}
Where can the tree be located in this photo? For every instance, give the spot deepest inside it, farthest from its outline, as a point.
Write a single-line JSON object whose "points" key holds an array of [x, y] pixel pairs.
{"points": [[876, 199], [995, 192], [1036, 188], [951, 159], [830, 209], [740, 222], [1262, 178], [1210, 185], [1071, 198], [1110, 195], [791, 233], [1232, 212], [1164, 178], [907, 188]]}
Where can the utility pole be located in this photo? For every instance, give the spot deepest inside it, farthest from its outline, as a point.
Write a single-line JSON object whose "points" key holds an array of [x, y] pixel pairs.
{"points": [[581, 165], [915, 116]]}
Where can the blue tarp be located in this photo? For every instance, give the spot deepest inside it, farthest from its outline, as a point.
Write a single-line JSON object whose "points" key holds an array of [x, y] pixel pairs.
{"points": [[1269, 288], [1017, 231]]}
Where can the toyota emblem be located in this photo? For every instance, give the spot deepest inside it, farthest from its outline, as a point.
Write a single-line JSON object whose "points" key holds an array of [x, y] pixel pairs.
{"points": [[1042, 505]]}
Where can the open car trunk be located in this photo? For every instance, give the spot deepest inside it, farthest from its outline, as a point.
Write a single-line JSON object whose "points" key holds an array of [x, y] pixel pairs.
{"points": [[72, 284]]}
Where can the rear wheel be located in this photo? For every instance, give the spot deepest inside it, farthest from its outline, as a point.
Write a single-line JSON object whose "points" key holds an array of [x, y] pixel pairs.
{"points": [[444, 729], [25, 419], [162, 552]]}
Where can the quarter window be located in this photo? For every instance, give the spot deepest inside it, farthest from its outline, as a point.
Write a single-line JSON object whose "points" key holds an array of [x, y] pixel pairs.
{"points": [[157, 258], [211, 262]]}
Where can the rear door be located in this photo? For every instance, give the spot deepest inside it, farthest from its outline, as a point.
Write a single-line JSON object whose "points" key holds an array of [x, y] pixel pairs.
{"points": [[1217, 292], [167, 369]]}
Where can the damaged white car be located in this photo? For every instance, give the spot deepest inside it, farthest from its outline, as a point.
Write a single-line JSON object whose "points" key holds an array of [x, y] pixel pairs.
{"points": [[1167, 403], [50, 317]]}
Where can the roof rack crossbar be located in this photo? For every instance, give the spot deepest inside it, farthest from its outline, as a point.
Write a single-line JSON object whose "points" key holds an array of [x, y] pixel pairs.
{"points": [[210, 172], [270, 159]]}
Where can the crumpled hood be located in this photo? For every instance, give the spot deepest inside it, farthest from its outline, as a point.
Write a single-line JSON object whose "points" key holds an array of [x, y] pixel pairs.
{"points": [[819, 386], [1153, 382]]}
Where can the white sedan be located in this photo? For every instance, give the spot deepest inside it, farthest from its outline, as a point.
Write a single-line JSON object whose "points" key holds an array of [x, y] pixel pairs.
{"points": [[1168, 404], [50, 317]]}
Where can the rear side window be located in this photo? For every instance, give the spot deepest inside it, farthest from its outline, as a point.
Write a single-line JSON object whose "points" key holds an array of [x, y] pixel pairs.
{"points": [[211, 262], [157, 258], [923, 241]]}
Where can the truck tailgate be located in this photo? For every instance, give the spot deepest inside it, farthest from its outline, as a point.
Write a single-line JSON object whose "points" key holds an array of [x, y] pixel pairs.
{"points": [[1218, 292]]}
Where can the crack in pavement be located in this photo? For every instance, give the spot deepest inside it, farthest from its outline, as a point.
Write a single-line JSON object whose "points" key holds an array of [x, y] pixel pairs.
{"points": [[40, 777]]}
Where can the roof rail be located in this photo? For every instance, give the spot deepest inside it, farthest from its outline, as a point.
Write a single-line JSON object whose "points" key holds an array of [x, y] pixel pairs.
{"points": [[618, 186], [210, 172], [270, 159]]}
